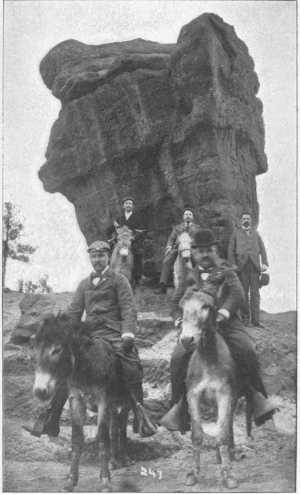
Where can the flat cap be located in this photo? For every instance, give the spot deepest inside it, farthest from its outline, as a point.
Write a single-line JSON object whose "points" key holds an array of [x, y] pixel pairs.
{"points": [[187, 209], [128, 199], [98, 246]]}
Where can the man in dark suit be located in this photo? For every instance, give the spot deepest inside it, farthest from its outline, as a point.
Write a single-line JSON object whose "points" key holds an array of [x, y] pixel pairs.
{"points": [[171, 252], [246, 250], [229, 297], [108, 301], [130, 219]]}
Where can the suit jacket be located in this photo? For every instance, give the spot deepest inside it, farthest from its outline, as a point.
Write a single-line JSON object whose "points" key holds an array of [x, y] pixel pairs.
{"points": [[242, 246], [133, 223], [109, 305], [230, 294], [177, 230]]}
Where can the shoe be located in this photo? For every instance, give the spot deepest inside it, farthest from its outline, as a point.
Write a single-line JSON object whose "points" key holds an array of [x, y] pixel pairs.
{"points": [[41, 427], [263, 418], [258, 325]]}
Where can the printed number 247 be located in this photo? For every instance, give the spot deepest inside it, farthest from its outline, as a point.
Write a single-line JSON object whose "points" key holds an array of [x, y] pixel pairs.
{"points": [[145, 472]]}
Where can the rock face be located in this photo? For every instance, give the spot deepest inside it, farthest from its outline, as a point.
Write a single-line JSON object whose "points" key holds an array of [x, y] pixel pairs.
{"points": [[172, 125]]}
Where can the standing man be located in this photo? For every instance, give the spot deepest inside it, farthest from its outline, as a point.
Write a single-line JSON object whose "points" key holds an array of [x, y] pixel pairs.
{"points": [[246, 250], [228, 299], [108, 300], [130, 219], [171, 252]]}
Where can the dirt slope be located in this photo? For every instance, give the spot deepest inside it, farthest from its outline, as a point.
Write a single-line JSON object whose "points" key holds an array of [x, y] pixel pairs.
{"points": [[267, 463]]}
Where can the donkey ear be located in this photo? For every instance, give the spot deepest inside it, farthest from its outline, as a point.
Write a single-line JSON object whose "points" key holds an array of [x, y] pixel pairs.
{"points": [[116, 225]]}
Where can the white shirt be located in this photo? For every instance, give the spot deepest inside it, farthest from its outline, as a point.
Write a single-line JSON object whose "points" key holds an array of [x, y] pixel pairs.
{"points": [[127, 215]]}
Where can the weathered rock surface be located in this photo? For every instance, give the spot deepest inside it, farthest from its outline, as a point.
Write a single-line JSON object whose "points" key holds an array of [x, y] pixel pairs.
{"points": [[152, 326], [169, 124]]}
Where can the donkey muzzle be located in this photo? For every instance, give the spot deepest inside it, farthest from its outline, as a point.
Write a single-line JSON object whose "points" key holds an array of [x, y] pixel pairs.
{"points": [[44, 385], [187, 342]]}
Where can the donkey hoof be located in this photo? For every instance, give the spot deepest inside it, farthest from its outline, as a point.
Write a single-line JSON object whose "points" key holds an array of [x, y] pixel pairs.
{"points": [[68, 487], [113, 465], [191, 479], [231, 482], [127, 462], [105, 485]]}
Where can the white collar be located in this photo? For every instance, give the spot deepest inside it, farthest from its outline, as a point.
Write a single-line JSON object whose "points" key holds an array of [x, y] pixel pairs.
{"points": [[127, 215], [246, 229]]}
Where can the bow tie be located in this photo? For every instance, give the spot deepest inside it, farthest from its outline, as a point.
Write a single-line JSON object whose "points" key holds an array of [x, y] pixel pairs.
{"points": [[96, 275], [208, 270]]}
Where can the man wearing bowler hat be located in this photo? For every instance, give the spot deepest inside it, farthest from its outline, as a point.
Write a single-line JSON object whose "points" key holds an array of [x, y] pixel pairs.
{"points": [[130, 219], [246, 250], [108, 300], [171, 252], [229, 297]]}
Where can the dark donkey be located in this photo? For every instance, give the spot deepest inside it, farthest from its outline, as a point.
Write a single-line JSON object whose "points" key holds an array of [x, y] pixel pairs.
{"points": [[65, 351], [211, 379]]}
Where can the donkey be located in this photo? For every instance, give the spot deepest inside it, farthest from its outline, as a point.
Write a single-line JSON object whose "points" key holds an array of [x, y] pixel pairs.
{"points": [[211, 379], [65, 351], [122, 260], [183, 259]]}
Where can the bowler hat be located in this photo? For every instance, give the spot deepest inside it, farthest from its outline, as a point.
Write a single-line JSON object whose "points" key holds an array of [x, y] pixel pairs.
{"points": [[187, 209], [204, 238], [127, 199], [99, 246], [264, 279]]}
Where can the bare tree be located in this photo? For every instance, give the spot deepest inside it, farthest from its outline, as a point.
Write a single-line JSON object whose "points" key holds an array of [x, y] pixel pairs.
{"points": [[12, 235]]}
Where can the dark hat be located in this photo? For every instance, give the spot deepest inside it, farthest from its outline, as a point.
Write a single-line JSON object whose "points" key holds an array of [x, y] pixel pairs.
{"points": [[127, 199], [204, 238], [264, 279], [187, 209], [99, 246]]}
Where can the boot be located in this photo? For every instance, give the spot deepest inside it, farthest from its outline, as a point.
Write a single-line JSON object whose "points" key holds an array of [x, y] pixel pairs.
{"points": [[141, 422], [177, 419], [263, 409], [48, 421]]}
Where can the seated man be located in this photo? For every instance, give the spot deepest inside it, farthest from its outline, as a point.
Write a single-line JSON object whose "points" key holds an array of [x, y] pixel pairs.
{"points": [[172, 246], [130, 219], [108, 300], [230, 297]]}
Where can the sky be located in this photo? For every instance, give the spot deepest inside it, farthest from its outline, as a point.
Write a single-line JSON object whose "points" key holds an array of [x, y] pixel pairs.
{"points": [[32, 28]]}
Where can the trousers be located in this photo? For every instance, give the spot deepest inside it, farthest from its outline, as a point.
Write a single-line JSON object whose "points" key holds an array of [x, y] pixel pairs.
{"points": [[249, 279], [243, 353], [167, 266]]}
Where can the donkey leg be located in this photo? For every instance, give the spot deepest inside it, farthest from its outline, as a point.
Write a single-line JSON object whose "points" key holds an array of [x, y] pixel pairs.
{"points": [[192, 477], [78, 410], [103, 438], [115, 440], [225, 419], [126, 461]]}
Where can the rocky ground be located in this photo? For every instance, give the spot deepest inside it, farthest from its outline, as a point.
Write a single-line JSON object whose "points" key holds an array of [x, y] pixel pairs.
{"points": [[266, 464]]}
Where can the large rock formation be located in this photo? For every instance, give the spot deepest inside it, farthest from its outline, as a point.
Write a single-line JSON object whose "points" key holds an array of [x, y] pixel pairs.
{"points": [[171, 125]]}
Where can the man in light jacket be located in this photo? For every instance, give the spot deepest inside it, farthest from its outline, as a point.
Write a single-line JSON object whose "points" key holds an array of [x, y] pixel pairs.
{"points": [[246, 250]]}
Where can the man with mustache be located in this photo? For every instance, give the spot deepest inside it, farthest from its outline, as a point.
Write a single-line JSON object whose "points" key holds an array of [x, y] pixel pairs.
{"points": [[229, 297], [108, 300], [246, 250], [171, 252]]}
